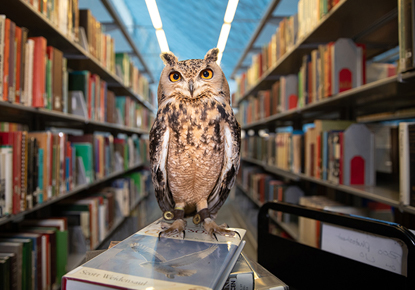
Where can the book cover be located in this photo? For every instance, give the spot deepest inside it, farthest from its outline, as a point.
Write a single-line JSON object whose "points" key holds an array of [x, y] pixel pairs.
{"points": [[17, 249], [142, 260], [39, 72], [6, 55]]}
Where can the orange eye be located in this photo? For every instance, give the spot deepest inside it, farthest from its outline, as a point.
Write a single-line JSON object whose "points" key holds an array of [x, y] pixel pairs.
{"points": [[206, 74], [175, 76]]}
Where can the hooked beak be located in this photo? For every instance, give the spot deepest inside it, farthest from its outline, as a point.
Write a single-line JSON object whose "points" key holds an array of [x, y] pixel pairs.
{"points": [[191, 87]]}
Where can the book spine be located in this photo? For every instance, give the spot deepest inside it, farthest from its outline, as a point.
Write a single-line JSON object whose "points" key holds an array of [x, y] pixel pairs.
{"points": [[39, 72], [404, 161], [6, 60], [2, 36]]}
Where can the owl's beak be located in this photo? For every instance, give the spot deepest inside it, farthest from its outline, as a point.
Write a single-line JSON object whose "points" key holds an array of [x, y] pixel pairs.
{"points": [[191, 87]]}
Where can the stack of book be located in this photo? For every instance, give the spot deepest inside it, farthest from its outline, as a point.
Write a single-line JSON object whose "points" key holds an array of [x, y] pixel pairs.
{"points": [[37, 166]]}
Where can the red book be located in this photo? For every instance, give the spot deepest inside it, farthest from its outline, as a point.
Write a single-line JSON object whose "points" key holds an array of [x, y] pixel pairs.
{"points": [[39, 72], [6, 60], [18, 38], [259, 65]]}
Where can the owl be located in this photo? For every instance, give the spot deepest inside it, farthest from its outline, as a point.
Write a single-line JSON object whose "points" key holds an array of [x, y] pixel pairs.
{"points": [[195, 143]]}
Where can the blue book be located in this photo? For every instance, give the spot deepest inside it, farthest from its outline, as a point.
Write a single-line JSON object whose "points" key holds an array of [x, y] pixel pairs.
{"points": [[143, 261]]}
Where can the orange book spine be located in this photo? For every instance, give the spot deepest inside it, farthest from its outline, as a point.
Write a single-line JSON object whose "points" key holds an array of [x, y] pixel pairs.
{"points": [[39, 72]]}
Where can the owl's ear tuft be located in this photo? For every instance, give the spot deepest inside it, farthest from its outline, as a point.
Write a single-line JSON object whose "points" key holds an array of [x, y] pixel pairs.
{"points": [[212, 55], [168, 58]]}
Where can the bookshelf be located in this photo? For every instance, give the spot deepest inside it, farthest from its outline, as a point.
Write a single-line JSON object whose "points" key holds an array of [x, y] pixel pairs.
{"points": [[79, 58], [20, 216], [75, 260], [385, 99]]}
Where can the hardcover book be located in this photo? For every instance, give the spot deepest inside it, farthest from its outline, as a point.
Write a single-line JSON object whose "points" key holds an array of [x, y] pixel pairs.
{"points": [[143, 260]]}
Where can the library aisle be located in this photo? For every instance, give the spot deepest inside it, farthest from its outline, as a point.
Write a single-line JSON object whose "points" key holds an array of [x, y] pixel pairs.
{"points": [[302, 110]]}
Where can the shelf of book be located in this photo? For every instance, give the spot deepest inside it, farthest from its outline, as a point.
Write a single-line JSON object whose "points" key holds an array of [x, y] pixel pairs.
{"points": [[348, 19], [79, 58], [15, 109], [290, 228], [20, 216], [75, 260], [381, 193], [117, 20], [371, 96]]}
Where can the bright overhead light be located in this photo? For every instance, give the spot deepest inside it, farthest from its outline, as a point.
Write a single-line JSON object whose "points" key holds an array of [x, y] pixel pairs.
{"points": [[223, 36], [161, 38], [219, 58], [154, 14], [230, 10]]}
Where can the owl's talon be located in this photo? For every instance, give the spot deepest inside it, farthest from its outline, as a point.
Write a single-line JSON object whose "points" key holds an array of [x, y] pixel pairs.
{"points": [[238, 235], [184, 234], [177, 227], [215, 237]]}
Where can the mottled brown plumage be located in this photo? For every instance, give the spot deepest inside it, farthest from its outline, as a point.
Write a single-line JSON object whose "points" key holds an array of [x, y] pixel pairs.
{"points": [[194, 141]]}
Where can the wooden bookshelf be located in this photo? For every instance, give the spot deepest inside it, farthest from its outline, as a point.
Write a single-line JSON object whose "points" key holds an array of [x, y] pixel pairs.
{"points": [[20, 216], [382, 193], [350, 19], [24, 15]]}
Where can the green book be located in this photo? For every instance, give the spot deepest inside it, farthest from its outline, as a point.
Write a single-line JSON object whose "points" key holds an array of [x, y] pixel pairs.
{"points": [[27, 260], [78, 81], [61, 253], [84, 151], [120, 106]]}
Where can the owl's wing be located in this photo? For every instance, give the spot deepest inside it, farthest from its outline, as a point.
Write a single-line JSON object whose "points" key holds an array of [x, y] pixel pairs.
{"points": [[159, 145], [230, 167]]}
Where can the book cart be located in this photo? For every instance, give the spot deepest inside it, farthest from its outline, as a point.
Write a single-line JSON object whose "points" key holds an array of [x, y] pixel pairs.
{"points": [[373, 23], [78, 58], [304, 267]]}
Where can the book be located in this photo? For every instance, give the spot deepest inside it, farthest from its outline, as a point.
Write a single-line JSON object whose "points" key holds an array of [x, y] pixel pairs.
{"points": [[17, 249], [39, 72], [404, 163], [142, 260]]}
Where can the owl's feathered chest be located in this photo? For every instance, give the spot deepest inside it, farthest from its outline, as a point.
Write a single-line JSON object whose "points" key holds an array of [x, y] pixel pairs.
{"points": [[197, 124]]}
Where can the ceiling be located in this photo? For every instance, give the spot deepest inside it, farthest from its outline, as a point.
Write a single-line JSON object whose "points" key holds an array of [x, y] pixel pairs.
{"points": [[191, 27]]}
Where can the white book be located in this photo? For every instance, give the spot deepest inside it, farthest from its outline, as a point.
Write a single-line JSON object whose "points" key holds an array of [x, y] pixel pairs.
{"points": [[2, 24], [30, 46], [63, 16], [7, 153], [404, 162]]}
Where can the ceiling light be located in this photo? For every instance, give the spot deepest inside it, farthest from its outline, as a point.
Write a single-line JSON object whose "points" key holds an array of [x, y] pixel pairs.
{"points": [[223, 37], [230, 10], [161, 38], [154, 14]]}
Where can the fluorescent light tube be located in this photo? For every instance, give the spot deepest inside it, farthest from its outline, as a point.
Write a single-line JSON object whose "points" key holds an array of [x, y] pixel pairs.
{"points": [[230, 10], [154, 14], [223, 37], [161, 38]]}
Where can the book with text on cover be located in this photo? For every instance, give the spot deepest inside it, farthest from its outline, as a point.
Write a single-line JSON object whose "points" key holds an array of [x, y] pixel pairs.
{"points": [[144, 261]]}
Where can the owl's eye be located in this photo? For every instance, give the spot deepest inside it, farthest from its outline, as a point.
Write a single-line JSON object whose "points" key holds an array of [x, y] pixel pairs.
{"points": [[206, 74], [175, 76]]}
